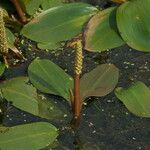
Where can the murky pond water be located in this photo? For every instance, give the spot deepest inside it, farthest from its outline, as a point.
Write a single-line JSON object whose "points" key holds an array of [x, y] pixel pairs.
{"points": [[106, 123]]}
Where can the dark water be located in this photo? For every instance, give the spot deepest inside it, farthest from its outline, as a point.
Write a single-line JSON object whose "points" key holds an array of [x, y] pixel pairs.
{"points": [[106, 124]]}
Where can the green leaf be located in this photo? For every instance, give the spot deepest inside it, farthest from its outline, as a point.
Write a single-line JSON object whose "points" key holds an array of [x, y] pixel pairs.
{"points": [[133, 20], [10, 38], [31, 6], [21, 94], [50, 46], [32, 136], [136, 98], [101, 32], [100, 81], [2, 68], [50, 78], [46, 4], [55, 25], [51, 110]]}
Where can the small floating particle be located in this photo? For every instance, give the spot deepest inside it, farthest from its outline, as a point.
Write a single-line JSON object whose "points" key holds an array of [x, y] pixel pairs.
{"points": [[94, 131], [65, 115]]}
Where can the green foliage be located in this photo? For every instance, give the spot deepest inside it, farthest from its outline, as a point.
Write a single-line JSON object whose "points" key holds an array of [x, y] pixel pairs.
{"points": [[101, 31], [100, 81], [46, 4], [29, 136], [2, 68], [51, 110], [58, 24], [31, 6], [133, 20], [21, 94], [136, 98], [49, 78]]}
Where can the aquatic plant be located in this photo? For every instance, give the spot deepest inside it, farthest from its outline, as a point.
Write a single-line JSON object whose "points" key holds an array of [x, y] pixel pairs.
{"points": [[86, 27]]}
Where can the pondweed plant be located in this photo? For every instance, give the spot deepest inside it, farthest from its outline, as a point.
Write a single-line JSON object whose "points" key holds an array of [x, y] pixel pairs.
{"points": [[83, 26]]}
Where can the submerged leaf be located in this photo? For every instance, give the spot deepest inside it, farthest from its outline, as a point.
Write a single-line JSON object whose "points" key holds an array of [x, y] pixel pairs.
{"points": [[136, 98], [101, 32], [55, 25], [50, 78], [21, 94], [49, 109], [27, 137], [100, 81], [133, 20]]}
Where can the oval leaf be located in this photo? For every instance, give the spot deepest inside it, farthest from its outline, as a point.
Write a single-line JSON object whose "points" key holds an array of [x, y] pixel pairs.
{"points": [[55, 25], [51, 110], [133, 20], [22, 95], [32, 136], [100, 81], [46, 4], [101, 32], [50, 78], [136, 98]]}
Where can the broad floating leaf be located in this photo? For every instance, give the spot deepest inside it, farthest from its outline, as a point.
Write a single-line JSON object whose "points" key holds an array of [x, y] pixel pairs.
{"points": [[50, 110], [136, 98], [32, 136], [21, 94], [46, 4], [100, 81], [101, 32], [55, 25], [50, 46], [133, 20], [50, 78]]}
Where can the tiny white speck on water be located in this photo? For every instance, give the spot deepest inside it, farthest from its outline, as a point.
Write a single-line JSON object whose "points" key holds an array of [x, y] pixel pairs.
{"points": [[25, 120], [94, 131], [7, 116], [10, 119], [109, 101], [91, 124], [127, 113], [112, 116], [84, 103], [133, 138], [139, 147], [65, 115], [102, 109], [83, 114]]}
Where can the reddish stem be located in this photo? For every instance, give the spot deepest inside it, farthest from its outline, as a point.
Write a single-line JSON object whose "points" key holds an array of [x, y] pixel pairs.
{"points": [[77, 100], [19, 11]]}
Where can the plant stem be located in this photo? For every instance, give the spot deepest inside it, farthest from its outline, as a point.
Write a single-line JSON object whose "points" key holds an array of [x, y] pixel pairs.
{"points": [[77, 104], [77, 99], [19, 11]]}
